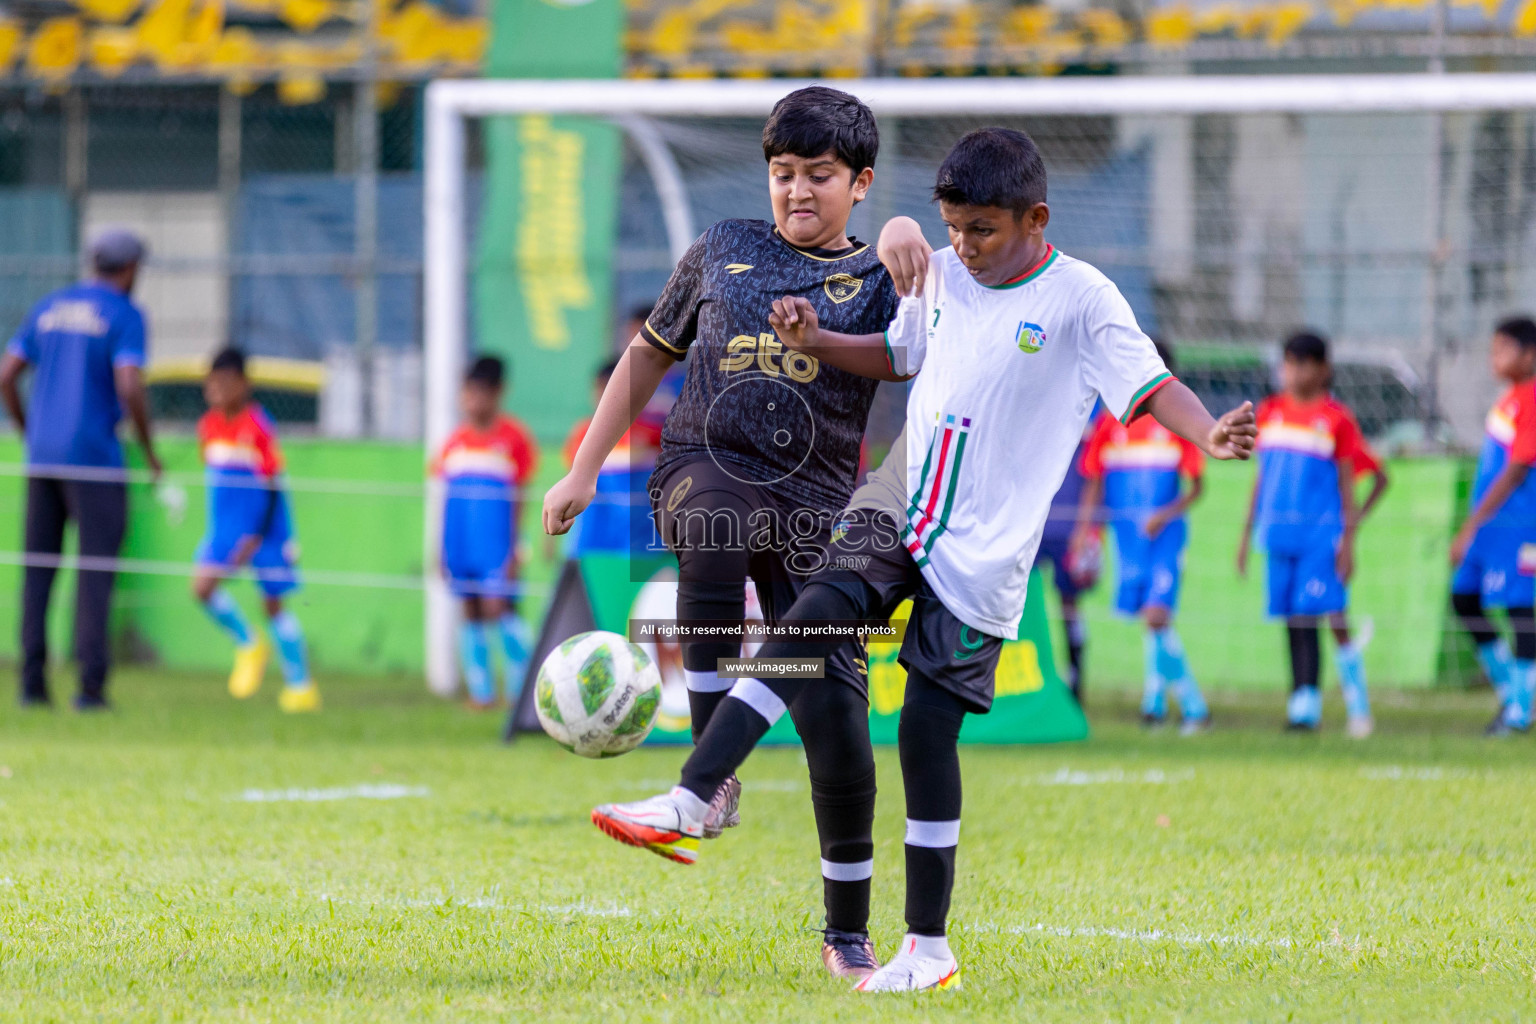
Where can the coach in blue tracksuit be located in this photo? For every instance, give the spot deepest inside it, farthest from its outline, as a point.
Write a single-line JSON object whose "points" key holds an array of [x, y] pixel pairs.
{"points": [[85, 346]]}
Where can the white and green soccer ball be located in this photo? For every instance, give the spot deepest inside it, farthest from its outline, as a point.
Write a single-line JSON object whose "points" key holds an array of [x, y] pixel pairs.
{"points": [[598, 694]]}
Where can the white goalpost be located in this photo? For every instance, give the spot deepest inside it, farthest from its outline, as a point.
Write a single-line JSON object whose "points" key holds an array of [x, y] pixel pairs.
{"points": [[634, 106]]}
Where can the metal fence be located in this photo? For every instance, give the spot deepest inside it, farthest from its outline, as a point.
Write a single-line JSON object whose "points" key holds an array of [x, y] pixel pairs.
{"points": [[290, 230], [295, 232]]}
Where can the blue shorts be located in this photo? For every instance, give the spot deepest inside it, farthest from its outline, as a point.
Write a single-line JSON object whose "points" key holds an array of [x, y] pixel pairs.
{"points": [[1148, 570], [275, 564], [1305, 583], [1500, 567], [1053, 548], [477, 568]]}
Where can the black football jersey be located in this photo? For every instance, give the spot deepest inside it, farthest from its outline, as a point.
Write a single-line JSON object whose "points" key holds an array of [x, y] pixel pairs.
{"points": [[779, 419]]}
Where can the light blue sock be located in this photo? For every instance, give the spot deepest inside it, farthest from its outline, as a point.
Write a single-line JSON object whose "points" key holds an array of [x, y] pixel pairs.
{"points": [[221, 608], [1499, 665], [1350, 661], [477, 662], [289, 636], [1522, 687], [515, 644], [1154, 701], [1172, 666]]}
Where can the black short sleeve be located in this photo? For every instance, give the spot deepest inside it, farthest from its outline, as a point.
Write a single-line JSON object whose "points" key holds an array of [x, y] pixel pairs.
{"points": [[674, 322]]}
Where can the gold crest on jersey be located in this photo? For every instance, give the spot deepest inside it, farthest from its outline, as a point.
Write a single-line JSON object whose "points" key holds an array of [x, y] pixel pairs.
{"points": [[842, 287], [679, 493]]}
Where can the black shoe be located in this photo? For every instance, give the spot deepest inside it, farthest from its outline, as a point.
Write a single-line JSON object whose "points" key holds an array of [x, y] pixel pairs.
{"points": [[91, 702], [36, 700], [1293, 726], [848, 954], [1153, 721]]}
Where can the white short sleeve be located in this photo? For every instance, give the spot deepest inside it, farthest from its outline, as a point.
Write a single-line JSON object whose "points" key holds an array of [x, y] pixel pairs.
{"points": [[906, 340], [1119, 361]]}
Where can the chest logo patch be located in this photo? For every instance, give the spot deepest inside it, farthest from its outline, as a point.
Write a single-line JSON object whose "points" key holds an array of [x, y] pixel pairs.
{"points": [[1031, 337], [737, 268], [842, 287]]}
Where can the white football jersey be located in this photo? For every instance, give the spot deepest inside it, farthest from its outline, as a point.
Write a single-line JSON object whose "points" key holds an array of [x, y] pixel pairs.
{"points": [[1006, 380]]}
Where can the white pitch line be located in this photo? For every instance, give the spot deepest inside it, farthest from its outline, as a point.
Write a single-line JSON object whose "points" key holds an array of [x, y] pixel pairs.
{"points": [[1148, 935], [366, 791], [581, 908], [1399, 773], [1110, 777]]}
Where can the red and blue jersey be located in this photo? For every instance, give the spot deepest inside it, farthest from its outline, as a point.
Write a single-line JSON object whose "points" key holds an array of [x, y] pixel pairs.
{"points": [[1301, 447], [1140, 464], [1510, 436], [618, 520], [484, 470], [243, 462]]}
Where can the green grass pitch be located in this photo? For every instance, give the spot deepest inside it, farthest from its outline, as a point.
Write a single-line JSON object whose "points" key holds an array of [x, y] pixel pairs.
{"points": [[154, 865]]}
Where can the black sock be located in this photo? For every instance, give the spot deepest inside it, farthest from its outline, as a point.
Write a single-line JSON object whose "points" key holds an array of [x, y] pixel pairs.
{"points": [[1077, 637], [845, 818], [701, 708], [928, 738], [733, 731], [833, 722], [736, 725], [1305, 655]]}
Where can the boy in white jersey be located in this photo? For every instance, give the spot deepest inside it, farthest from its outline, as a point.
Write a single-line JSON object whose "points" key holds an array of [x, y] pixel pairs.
{"points": [[1014, 342]]}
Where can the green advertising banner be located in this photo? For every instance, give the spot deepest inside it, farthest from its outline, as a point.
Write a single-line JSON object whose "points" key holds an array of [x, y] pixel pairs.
{"points": [[1033, 705], [543, 292]]}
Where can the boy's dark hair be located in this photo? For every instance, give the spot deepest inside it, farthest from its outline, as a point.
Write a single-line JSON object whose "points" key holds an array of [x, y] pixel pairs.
{"points": [[1163, 352], [605, 370], [1306, 347], [1519, 329], [489, 371], [229, 359], [816, 120], [993, 167]]}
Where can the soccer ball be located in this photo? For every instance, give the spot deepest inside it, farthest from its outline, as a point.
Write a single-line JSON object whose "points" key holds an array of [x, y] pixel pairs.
{"points": [[597, 694]]}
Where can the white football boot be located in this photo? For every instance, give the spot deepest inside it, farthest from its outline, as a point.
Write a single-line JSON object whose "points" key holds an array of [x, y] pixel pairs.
{"points": [[669, 825], [923, 963]]}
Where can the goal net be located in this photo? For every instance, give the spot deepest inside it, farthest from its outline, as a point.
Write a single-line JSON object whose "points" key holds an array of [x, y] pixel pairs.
{"points": [[1393, 214]]}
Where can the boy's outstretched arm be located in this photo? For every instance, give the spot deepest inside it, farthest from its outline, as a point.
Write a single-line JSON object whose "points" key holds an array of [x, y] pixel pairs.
{"points": [[1181, 411], [795, 321], [905, 253], [1506, 483], [634, 381]]}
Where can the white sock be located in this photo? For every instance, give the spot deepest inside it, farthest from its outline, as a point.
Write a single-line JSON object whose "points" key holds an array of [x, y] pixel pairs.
{"points": [[689, 803], [933, 947]]}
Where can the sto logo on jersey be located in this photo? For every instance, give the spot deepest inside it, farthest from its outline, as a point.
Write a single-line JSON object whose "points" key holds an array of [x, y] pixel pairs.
{"points": [[842, 287], [1031, 337], [767, 354]]}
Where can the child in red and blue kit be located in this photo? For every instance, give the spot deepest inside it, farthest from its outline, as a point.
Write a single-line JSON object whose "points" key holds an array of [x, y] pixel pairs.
{"points": [[249, 525], [1494, 552], [1304, 515], [485, 464], [1135, 471], [618, 522]]}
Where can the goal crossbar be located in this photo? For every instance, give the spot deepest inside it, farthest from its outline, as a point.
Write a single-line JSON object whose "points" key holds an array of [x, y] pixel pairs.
{"points": [[450, 103]]}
